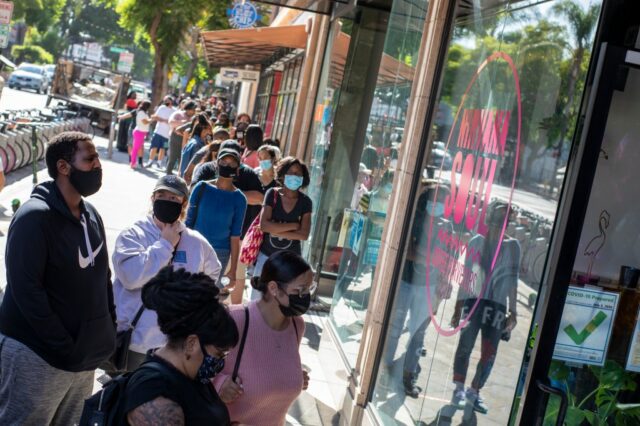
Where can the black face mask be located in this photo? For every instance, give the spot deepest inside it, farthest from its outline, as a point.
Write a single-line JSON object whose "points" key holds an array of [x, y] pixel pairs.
{"points": [[166, 211], [227, 171], [298, 305], [86, 183]]}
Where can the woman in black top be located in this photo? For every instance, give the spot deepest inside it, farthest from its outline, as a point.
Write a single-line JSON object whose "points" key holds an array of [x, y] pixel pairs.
{"points": [[173, 386], [286, 214]]}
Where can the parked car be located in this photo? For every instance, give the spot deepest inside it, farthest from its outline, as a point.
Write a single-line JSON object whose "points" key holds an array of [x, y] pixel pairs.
{"points": [[50, 71], [29, 76]]}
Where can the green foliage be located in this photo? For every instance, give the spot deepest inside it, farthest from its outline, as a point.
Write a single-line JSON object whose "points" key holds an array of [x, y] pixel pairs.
{"points": [[41, 14], [33, 54], [599, 407]]}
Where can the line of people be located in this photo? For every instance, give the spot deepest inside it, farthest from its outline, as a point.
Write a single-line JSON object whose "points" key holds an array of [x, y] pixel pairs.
{"points": [[173, 271]]}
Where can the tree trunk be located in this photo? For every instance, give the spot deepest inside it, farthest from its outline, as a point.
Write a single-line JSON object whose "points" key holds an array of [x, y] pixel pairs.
{"points": [[192, 68], [159, 62]]}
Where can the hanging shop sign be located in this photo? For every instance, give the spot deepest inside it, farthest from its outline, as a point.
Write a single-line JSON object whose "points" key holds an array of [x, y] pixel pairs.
{"points": [[585, 328], [6, 13], [489, 113], [239, 75], [243, 14]]}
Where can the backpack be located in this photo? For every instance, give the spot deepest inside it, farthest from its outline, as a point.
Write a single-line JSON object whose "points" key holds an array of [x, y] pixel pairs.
{"points": [[106, 407]]}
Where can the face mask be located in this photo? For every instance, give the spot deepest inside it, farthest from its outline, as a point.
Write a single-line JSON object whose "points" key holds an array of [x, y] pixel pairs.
{"points": [[210, 366], [266, 164], [227, 171], [435, 209], [298, 305], [166, 211], [293, 182], [86, 183]]}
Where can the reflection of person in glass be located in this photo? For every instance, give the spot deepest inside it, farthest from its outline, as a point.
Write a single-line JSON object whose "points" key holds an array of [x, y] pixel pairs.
{"points": [[411, 300], [490, 317]]}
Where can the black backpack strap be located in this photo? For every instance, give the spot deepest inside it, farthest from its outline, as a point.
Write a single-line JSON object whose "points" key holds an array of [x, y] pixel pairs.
{"points": [[137, 317], [197, 203], [241, 348]]}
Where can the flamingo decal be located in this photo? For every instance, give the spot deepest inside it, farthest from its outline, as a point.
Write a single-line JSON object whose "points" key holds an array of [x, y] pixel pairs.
{"points": [[597, 242]]}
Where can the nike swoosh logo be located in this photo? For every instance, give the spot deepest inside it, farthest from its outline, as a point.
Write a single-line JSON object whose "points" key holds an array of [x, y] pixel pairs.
{"points": [[86, 261]]}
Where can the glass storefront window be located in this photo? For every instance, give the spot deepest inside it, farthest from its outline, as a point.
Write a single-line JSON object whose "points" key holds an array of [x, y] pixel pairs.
{"points": [[506, 113], [362, 221]]}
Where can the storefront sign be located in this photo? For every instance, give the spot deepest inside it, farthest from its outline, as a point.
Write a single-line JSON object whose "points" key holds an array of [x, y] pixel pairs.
{"points": [[633, 359], [357, 229], [6, 13], [484, 120], [585, 327], [243, 14], [239, 75], [125, 62]]}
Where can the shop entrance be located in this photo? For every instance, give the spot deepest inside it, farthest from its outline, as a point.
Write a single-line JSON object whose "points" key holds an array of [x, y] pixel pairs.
{"points": [[587, 366]]}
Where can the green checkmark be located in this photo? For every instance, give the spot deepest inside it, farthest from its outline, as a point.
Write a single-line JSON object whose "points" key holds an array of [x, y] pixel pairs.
{"points": [[579, 338]]}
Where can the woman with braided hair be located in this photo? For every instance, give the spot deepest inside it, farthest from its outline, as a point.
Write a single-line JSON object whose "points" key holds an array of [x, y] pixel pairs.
{"points": [[173, 386]]}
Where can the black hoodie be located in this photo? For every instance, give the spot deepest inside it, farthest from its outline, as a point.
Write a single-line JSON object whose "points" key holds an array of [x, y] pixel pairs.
{"points": [[59, 300]]}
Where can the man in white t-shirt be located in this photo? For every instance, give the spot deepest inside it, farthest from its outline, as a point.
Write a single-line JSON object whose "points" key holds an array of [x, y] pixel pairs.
{"points": [[160, 139], [181, 116]]}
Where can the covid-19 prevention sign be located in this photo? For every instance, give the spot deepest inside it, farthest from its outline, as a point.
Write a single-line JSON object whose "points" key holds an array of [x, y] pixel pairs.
{"points": [[585, 328]]}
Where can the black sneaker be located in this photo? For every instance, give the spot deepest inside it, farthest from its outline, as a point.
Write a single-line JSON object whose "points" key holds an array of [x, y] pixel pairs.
{"points": [[479, 405], [410, 387]]}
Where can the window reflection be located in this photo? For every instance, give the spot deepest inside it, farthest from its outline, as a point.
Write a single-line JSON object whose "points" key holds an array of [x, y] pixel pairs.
{"points": [[473, 263]]}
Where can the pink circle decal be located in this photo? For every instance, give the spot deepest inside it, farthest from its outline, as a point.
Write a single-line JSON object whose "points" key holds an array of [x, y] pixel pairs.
{"points": [[480, 142]]}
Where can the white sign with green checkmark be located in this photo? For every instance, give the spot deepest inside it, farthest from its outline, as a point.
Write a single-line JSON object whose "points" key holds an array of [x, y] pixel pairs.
{"points": [[585, 328]]}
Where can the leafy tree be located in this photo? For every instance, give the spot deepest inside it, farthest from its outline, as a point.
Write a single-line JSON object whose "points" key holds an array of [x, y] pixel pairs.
{"points": [[41, 14], [165, 25], [33, 54]]}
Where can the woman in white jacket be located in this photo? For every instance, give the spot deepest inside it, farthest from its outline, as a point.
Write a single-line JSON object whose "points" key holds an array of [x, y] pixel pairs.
{"points": [[143, 250]]}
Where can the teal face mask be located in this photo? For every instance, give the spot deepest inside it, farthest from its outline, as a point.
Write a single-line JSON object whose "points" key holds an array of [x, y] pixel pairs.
{"points": [[293, 182], [266, 164]]}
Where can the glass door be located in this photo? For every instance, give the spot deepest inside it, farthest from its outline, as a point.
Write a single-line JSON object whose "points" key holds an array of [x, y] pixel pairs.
{"points": [[587, 369]]}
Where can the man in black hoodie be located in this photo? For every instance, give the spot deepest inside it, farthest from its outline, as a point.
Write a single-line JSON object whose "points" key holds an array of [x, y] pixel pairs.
{"points": [[57, 319]]}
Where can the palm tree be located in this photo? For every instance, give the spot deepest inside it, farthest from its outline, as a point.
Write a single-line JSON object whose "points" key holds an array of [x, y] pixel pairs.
{"points": [[581, 22]]}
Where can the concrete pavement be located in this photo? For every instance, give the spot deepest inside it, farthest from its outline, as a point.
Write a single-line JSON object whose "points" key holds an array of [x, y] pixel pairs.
{"points": [[124, 198]]}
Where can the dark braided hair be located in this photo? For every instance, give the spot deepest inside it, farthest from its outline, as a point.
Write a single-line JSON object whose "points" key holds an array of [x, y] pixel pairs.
{"points": [[188, 304]]}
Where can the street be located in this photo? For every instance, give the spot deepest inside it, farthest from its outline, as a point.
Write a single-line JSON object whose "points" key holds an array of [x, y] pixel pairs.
{"points": [[21, 99]]}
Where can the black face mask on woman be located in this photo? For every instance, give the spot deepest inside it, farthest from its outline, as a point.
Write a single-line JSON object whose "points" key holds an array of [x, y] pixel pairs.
{"points": [[298, 305], [86, 182], [166, 211]]}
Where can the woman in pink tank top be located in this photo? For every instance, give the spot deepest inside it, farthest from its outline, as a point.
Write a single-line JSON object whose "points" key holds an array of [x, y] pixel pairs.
{"points": [[263, 376]]}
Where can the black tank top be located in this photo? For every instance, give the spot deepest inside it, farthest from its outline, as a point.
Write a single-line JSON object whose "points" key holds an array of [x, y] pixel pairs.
{"points": [[200, 403]]}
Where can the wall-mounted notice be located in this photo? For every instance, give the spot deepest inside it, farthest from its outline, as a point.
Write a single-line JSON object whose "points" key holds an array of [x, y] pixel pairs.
{"points": [[585, 328]]}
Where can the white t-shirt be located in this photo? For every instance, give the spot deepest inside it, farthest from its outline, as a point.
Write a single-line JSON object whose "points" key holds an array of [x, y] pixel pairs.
{"points": [[162, 128], [140, 126]]}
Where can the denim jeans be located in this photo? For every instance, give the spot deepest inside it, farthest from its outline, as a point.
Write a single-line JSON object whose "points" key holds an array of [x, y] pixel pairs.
{"points": [[411, 303], [223, 257]]}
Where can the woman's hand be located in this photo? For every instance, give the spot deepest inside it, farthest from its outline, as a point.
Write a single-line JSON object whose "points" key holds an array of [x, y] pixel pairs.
{"points": [[305, 380], [230, 390], [171, 233]]}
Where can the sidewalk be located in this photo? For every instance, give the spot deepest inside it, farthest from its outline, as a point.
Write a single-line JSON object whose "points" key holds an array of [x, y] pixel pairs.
{"points": [[124, 198]]}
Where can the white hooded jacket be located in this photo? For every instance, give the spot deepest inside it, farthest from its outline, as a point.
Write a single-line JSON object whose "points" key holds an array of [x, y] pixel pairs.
{"points": [[140, 253]]}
